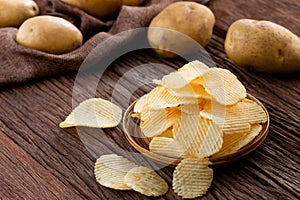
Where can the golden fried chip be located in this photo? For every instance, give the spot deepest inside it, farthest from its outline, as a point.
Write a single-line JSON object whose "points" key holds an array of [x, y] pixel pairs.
{"points": [[111, 169], [146, 181], [232, 127], [141, 104], [96, 113], [222, 85], [191, 91], [234, 142], [192, 177], [195, 66], [197, 135], [167, 147], [154, 122], [183, 76], [160, 98], [235, 118]]}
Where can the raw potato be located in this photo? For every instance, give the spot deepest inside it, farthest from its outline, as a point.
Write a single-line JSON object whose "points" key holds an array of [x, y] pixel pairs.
{"points": [[99, 8], [190, 19], [49, 34], [15, 12], [263, 46], [132, 2]]}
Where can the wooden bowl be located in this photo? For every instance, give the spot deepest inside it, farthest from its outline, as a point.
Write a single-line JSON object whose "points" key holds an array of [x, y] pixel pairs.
{"points": [[141, 143]]}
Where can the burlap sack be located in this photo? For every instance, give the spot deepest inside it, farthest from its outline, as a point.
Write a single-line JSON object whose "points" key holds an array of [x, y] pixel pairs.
{"points": [[19, 64]]}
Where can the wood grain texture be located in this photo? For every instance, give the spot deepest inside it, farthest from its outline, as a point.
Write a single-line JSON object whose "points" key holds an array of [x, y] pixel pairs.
{"points": [[41, 161]]}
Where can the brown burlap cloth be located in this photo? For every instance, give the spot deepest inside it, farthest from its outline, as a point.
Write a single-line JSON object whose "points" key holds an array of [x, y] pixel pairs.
{"points": [[19, 64]]}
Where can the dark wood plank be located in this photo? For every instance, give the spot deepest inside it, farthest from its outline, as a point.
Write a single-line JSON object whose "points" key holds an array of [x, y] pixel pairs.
{"points": [[23, 177], [40, 160]]}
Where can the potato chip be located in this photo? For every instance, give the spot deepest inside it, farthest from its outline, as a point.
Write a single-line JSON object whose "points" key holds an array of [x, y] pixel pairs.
{"points": [[192, 177], [154, 122], [232, 127], [196, 66], [141, 104], [235, 118], [160, 98], [197, 135], [96, 113], [167, 147], [191, 91], [111, 169], [222, 85], [184, 75], [146, 181], [234, 142]]}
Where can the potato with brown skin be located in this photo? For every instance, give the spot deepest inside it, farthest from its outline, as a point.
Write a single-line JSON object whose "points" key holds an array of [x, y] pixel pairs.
{"points": [[102, 9], [15, 12], [132, 2], [263, 46], [49, 34], [193, 20]]}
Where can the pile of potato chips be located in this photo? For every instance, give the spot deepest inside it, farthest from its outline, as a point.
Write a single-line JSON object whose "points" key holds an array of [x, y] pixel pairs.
{"points": [[196, 113]]}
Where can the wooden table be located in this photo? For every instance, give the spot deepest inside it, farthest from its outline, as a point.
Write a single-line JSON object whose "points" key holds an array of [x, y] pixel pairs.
{"points": [[41, 161]]}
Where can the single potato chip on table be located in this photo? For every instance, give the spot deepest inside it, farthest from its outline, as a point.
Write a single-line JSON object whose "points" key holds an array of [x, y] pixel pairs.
{"points": [[192, 177], [146, 181], [111, 169], [96, 113]]}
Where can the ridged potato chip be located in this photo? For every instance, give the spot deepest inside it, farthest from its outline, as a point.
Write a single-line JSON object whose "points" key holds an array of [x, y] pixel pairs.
{"points": [[195, 66], [96, 113], [160, 98], [191, 91], [192, 177], [222, 85], [232, 127], [234, 142], [154, 122], [167, 147], [235, 118], [184, 75], [197, 135], [146, 181], [141, 104], [111, 169]]}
